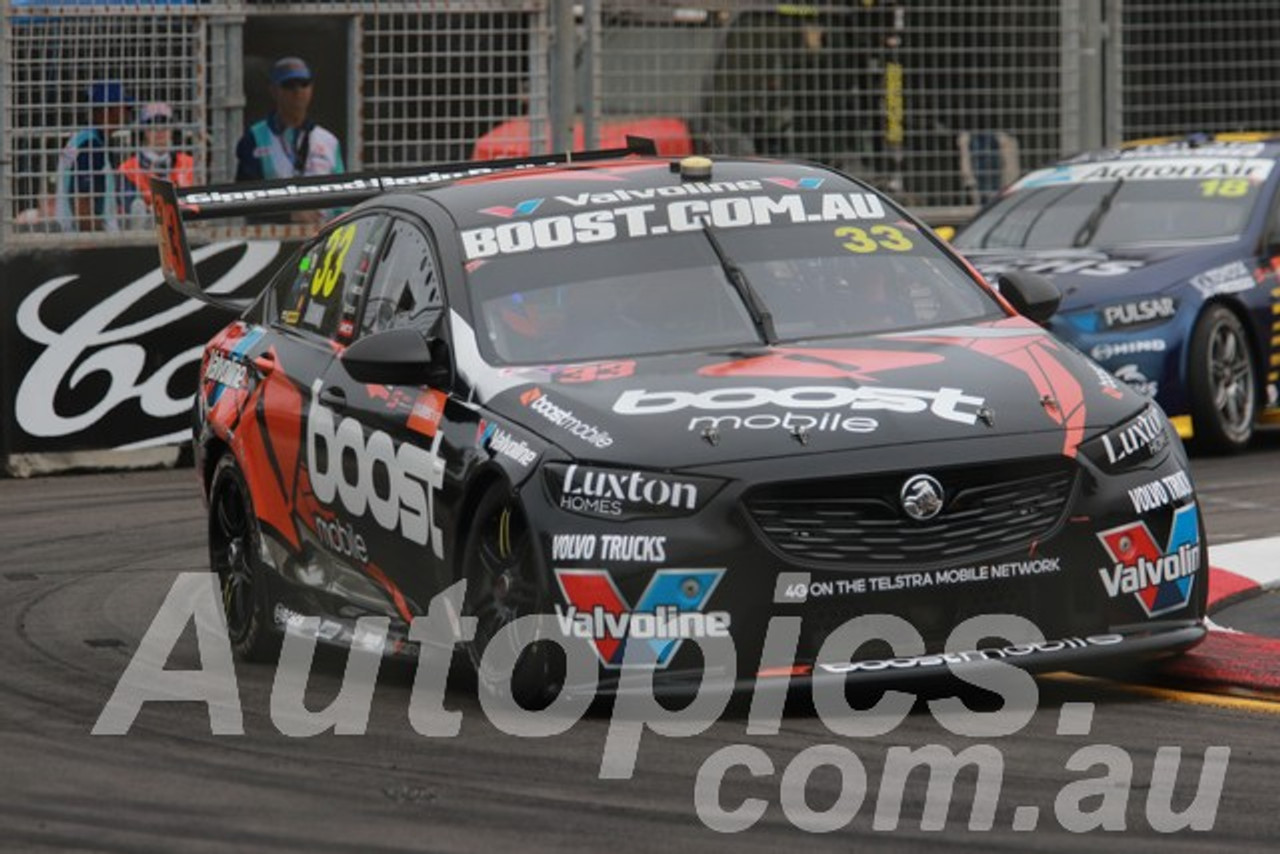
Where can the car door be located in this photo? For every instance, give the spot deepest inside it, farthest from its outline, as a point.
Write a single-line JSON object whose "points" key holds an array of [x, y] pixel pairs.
{"points": [[399, 494], [311, 308], [286, 343]]}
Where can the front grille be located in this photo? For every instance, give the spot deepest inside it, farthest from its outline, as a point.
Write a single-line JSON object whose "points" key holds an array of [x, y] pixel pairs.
{"points": [[859, 521]]}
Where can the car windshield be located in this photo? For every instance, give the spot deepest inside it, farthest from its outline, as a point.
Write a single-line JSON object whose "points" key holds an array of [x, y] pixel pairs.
{"points": [[671, 293], [1118, 212]]}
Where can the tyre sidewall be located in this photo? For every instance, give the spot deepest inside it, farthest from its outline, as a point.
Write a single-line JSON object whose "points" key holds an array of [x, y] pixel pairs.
{"points": [[532, 680], [1210, 435], [260, 642]]}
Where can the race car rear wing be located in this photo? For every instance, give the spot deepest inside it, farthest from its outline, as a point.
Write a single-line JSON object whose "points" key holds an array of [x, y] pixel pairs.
{"points": [[171, 206]]}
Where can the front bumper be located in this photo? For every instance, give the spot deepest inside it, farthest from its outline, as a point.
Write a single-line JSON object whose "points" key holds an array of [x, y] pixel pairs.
{"points": [[1121, 572]]}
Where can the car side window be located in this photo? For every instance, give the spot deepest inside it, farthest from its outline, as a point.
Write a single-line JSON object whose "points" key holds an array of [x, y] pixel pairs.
{"points": [[321, 295], [406, 285]]}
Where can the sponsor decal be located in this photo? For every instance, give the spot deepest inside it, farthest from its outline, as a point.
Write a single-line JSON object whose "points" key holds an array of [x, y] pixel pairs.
{"points": [[1110, 387], [581, 373], [860, 365], [621, 548], [651, 220], [524, 208], [1137, 380], [403, 500], [537, 401], [987, 654], [1161, 580], [363, 186], [341, 539], [648, 194], [668, 612], [613, 493], [1139, 311], [1103, 352], [1227, 279], [493, 437], [950, 404], [1151, 169], [1182, 148], [800, 587], [130, 353], [394, 399], [1144, 433], [1091, 266], [793, 184], [427, 411], [791, 422], [225, 371], [1160, 493]]}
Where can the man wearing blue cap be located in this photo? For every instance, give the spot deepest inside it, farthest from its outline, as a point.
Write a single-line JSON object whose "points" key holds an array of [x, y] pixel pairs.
{"points": [[88, 185], [286, 143]]}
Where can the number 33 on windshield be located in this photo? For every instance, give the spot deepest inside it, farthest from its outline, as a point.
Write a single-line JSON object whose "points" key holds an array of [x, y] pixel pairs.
{"points": [[335, 253], [873, 239]]}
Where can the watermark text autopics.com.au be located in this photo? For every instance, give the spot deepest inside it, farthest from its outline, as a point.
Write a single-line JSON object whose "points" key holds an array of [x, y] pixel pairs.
{"points": [[1098, 778]]}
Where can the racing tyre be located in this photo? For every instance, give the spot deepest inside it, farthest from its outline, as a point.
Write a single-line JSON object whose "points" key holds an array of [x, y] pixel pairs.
{"points": [[1222, 382], [234, 541], [504, 584]]}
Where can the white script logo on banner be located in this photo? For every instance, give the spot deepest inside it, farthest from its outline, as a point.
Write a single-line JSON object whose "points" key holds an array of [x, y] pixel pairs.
{"points": [[88, 345]]}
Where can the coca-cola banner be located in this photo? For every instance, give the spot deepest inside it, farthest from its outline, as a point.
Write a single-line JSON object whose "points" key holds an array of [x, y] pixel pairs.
{"points": [[99, 354]]}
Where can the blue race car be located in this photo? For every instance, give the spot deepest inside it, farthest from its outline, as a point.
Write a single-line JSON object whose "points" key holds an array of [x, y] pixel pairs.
{"points": [[1167, 253]]}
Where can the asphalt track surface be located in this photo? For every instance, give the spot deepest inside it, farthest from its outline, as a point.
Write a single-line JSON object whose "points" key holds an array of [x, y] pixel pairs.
{"points": [[88, 559]]}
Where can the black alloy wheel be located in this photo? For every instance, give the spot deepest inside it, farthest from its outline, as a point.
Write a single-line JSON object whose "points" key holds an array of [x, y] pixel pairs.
{"points": [[233, 546], [503, 585], [1223, 382]]}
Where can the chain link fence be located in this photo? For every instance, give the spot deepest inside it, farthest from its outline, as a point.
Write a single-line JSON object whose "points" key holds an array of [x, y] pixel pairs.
{"points": [[939, 102]]}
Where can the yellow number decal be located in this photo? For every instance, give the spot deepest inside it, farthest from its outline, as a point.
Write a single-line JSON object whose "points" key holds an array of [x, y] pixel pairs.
{"points": [[1229, 187], [891, 238], [335, 253], [881, 237], [858, 241]]}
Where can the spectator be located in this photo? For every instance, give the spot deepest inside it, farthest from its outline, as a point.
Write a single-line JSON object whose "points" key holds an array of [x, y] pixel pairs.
{"points": [[155, 158], [87, 197], [287, 143]]}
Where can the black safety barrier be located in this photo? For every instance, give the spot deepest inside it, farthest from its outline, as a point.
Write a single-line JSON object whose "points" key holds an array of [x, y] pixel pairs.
{"points": [[100, 356]]}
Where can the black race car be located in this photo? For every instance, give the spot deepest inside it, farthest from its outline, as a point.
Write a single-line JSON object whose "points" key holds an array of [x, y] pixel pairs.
{"points": [[665, 402]]}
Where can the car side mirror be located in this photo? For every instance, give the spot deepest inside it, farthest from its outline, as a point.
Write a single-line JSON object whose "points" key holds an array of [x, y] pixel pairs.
{"points": [[1031, 294], [401, 356]]}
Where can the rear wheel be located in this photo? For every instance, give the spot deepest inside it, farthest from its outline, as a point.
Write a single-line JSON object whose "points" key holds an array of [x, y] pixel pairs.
{"points": [[1222, 382], [233, 547], [504, 584]]}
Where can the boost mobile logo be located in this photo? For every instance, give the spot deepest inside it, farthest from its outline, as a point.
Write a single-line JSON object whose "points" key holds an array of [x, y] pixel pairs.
{"points": [[1161, 580], [669, 610]]}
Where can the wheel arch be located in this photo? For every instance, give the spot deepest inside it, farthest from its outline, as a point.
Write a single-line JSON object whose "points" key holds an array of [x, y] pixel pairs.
{"points": [[1256, 348], [481, 483], [213, 450]]}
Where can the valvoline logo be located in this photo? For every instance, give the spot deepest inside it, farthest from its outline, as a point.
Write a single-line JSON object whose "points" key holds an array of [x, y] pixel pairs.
{"points": [[524, 208], [668, 612], [794, 184], [1161, 580]]}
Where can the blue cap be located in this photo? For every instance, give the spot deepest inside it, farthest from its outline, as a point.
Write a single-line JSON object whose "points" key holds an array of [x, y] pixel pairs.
{"points": [[107, 92], [289, 68]]}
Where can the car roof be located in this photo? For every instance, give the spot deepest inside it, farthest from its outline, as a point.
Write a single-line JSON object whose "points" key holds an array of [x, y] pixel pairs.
{"points": [[489, 199], [1235, 143]]}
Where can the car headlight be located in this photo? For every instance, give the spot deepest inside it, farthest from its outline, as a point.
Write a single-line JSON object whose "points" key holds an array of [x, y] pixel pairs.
{"points": [[621, 494], [1141, 438]]}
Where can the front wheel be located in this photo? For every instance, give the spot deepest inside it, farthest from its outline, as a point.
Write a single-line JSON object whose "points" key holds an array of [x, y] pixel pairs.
{"points": [[503, 585], [1222, 382], [233, 546]]}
